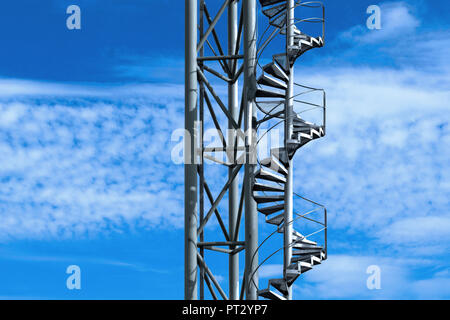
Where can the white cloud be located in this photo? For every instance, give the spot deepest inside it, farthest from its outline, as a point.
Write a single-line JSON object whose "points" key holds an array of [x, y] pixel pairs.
{"points": [[431, 232], [382, 170], [397, 21], [345, 277], [403, 41], [74, 166], [27, 88], [377, 165], [79, 166], [384, 157]]}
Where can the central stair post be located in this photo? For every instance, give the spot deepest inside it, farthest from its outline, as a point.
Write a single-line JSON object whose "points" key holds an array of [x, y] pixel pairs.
{"points": [[288, 131], [251, 215]]}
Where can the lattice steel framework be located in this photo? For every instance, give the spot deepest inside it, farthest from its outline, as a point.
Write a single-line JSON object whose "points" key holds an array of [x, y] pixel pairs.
{"points": [[267, 184]]}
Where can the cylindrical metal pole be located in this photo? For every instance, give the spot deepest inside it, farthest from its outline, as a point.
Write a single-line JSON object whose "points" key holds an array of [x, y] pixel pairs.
{"points": [[234, 186], [190, 172], [202, 164], [251, 216], [289, 112]]}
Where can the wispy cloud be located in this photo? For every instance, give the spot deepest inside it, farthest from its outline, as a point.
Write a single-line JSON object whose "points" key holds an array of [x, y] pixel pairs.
{"points": [[345, 277], [88, 159], [79, 165], [154, 68], [382, 170], [397, 21], [19, 88]]}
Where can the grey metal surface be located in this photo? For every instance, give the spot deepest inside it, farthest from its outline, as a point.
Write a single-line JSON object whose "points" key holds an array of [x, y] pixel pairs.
{"points": [[190, 170], [201, 166], [288, 130], [268, 190], [251, 215], [277, 81], [233, 193], [217, 106]]}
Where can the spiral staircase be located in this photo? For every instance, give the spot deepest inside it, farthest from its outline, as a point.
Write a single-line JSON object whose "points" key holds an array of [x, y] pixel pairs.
{"points": [[271, 97]]}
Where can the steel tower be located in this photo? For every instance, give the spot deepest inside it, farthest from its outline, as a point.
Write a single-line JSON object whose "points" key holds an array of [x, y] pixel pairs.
{"points": [[257, 96]]}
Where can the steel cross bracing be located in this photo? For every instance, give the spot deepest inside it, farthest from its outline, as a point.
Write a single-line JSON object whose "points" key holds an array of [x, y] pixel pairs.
{"points": [[267, 185], [215, 64]]}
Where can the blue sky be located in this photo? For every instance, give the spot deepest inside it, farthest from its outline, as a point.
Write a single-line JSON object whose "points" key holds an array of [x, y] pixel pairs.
{"points": [[85, 138]]}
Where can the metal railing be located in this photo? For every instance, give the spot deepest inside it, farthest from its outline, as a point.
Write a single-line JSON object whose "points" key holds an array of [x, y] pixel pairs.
{"points": [[310, 106], [318, 226], [297, 218], [324, 223]]}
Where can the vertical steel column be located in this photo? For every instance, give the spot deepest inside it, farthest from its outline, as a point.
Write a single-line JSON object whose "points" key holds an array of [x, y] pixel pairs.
{"points": [[288, 193], [233, 192], [190, 172], [202, 164], [251, 217]]}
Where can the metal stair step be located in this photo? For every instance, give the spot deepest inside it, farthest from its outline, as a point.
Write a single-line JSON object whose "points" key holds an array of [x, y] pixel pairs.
{"points": [[266, 80], [303, 240], [303, 254], [296, 144], [300, 125], [273, 11], [303, 39], [307, 258], [266, 199], [280, 154], [274, 164], [279, 21], [267, 175], [281, 60], [263, 187], [302, 130], [265, 3], [275, 70], [297, 120], [302, 45], [306, 251], [304, 135], [280, 285], [315, 260], [301, 258], [269, 294], [303, 246], [291, 276], [271, 209], [277, 220], [310, 133], [272, 107], [317, 133], [300, 267], [297, 234], [263, 93]]}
